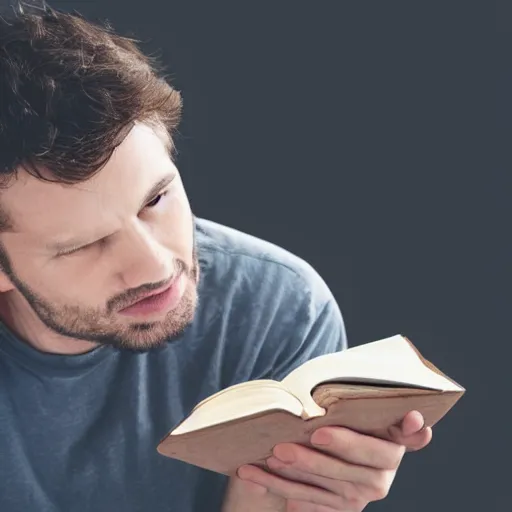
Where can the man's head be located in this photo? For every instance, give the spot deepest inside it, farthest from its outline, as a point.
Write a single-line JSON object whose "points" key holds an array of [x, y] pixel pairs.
{"points": [[93, 214]]}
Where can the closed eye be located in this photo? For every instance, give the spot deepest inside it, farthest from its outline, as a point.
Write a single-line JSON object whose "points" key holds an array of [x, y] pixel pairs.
{"points": [[74, 250]]}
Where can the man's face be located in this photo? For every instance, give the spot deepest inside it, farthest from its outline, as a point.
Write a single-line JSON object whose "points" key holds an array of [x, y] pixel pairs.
{"points": [[81, 255]]}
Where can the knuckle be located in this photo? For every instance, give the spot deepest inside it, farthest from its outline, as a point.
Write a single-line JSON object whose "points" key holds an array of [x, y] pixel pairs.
{"points": [[381, 485], [352, 493], [379, 493]]}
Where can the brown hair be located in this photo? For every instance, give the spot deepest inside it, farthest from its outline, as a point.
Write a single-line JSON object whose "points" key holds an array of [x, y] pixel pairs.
{"points": [[70, 90]]}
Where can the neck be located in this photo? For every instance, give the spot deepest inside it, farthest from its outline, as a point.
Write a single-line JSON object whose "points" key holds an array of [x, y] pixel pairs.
{"points": [[21, 319]]}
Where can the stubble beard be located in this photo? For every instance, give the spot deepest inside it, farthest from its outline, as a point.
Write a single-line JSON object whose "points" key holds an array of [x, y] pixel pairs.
{"points": [[105, 328]]}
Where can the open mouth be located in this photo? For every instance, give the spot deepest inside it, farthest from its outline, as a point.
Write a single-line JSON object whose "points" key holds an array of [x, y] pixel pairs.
{"points": [[159, 300]]}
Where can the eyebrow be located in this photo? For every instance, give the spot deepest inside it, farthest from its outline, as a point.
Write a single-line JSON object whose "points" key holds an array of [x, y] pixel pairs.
{"points": [[63, 245], [157, 188]]}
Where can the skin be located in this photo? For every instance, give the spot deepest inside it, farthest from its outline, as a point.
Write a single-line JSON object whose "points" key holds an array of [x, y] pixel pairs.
{"points": [[343, 473], [70, 303], [66, 301]]}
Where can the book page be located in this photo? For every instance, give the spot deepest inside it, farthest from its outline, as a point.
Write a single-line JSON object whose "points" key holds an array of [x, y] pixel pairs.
{"points": [[388, 361], [240, 401]]}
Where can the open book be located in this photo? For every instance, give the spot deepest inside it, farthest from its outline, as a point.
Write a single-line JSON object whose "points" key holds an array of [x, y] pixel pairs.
{"points": [[367, 388]]}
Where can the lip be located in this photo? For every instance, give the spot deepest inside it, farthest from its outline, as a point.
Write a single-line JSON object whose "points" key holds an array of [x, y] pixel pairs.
{"points": [[158, 301], [158, 291]]}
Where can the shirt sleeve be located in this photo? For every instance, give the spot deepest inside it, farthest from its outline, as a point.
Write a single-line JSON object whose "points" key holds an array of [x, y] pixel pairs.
{"points": [[281, 316], [320, 329], [303, 321]]}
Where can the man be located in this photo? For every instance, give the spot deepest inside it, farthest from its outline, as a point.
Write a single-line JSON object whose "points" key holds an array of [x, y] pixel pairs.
{"points": [[120, 309]]}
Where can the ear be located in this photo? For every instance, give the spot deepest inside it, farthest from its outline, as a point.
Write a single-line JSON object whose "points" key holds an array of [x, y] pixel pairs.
{"points": [[5, 283]]}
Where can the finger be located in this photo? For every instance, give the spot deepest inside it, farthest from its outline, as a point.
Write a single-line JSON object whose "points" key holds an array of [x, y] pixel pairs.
{"points": [[413, 422], [412, 432], [248, 488], [417, 441], [375, 488], [359, 449], [330, 470], [291, 490]]}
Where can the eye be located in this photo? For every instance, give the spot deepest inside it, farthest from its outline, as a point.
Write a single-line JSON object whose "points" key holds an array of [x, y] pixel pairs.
{"points": [[156, 200], [83, 248], [74, 250]]}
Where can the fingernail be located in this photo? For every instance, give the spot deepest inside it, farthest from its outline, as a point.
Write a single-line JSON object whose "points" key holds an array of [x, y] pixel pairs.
{"points": [[242, 472], [284, 453], [321, 437], [422, 419]]}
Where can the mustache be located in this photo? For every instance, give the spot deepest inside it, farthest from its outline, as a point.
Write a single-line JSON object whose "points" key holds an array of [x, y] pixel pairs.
{"points": [[133, 295]]}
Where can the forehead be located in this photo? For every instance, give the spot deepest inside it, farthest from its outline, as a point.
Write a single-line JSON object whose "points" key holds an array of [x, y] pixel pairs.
{"points": [[45, 209]]}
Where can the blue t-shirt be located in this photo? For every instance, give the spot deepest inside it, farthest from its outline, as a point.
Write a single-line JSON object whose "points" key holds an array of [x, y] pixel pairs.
{"points": [[79, 433]]}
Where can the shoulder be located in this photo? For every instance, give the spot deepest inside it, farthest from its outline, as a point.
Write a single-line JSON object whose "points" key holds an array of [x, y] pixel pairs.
{"points": [[279, 309], [228, 251]]}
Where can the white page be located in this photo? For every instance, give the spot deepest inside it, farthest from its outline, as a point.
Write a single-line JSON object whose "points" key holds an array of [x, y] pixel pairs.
{"points": [[238, 402], [388, 361]]}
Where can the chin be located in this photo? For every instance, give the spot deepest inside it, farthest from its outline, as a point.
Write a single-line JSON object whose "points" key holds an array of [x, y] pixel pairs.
{"points": [[145, 335]]}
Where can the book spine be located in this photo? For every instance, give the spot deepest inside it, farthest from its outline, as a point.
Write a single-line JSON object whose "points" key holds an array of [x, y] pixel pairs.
{"points": [[310, 409]]}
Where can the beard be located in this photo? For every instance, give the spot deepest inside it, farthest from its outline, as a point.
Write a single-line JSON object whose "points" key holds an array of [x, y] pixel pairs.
{"points": [[102, 326]]}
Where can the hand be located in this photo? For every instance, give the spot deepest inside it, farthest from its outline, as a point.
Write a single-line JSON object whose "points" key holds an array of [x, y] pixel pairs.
{"points": [[343, 473]]}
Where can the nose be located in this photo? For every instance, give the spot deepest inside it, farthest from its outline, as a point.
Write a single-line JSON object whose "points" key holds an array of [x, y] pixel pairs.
{"points": [[143, 260]]}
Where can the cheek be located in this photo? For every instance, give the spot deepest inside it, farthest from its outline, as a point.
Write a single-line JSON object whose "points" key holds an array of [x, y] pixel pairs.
{"points": [[68, 288], [35, 272], [61, 283]]}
